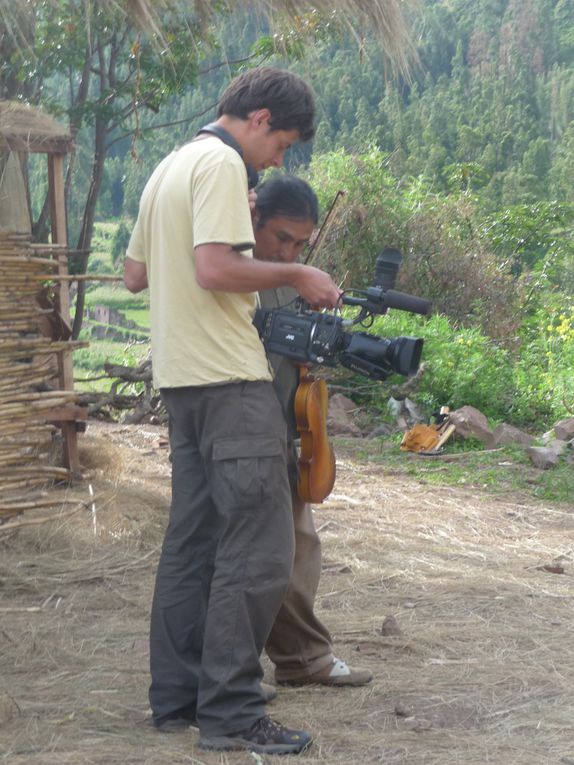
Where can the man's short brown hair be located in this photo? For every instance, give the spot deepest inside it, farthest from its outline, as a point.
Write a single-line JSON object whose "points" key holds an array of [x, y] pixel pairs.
{"points": [[289, 99]]}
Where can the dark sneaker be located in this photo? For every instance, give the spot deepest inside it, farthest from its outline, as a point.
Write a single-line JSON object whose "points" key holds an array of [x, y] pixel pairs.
{"points": [[183, 719], [264, 736]]}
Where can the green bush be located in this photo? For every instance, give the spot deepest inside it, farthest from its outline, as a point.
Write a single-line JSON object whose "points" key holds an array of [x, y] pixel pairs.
{"points": [[101, 352], [530, 387], [463, 366]]}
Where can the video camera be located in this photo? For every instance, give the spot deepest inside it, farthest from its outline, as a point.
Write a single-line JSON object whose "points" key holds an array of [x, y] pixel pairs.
{"points": [[310, 336]]}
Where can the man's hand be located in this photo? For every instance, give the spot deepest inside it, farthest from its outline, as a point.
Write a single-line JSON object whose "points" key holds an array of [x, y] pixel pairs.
{"points": [[316, 287], [252, 196]]}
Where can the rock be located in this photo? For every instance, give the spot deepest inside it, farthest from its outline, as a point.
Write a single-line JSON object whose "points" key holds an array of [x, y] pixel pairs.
{"points": [[564, 429], [381, 431], [542, 457], [403, 710], [419, 725], [8, 708], [391, 627], [339, 422], [469, 421], [405, 412], [508, 434], [558, 446]]}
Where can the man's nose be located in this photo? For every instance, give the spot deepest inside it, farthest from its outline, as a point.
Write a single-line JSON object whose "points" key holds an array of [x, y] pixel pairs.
{"points": [[277, 160], [288, 252]]}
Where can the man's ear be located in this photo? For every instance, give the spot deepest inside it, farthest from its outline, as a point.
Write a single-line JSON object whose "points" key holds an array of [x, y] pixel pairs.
{"points": [[260, 117]]}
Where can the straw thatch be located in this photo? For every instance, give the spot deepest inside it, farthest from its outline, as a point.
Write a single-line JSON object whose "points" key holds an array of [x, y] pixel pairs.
{"points": [[27, 128]]}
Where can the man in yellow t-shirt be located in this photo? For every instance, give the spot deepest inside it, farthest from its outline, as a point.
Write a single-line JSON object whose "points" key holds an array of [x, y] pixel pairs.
{"points": [[228, 549]]}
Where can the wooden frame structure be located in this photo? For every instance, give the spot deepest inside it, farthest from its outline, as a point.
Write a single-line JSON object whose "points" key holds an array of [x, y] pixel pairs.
{"points": [[24, 130]]}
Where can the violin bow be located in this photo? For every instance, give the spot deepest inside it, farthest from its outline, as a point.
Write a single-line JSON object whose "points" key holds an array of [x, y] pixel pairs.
{"points": [[322, 229]]}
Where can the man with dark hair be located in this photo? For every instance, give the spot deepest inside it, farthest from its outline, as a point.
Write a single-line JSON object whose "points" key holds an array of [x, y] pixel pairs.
{"points": [[300, 646], [288, 98], [228, 550]]}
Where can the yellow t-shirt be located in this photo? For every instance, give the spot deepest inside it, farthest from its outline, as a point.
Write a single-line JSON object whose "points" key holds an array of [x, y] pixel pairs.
{"points": [[197, 195]]}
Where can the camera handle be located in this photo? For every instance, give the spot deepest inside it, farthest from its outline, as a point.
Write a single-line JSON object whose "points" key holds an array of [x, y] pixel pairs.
{"points": [[376, 301]]}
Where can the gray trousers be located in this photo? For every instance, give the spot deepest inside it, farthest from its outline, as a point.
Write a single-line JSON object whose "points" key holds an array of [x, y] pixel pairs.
{"points": [[299, 644], [226, 557]]}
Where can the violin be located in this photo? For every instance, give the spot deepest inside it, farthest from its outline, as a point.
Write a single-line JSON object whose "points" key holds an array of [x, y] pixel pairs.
{"points": [[316, 459]]}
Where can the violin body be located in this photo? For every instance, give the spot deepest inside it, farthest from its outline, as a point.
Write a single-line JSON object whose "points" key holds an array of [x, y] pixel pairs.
{"points": [[316, 460]]}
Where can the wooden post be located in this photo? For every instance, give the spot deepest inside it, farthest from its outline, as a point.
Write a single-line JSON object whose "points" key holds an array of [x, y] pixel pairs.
{"points": [[60, 236]]}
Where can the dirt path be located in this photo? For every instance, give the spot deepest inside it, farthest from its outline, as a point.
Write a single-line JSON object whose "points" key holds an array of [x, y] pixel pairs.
{"points": [[482, 671]]}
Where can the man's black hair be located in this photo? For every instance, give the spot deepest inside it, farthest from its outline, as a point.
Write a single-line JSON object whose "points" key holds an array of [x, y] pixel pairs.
{"points": [[289, 99], [288, 196]]}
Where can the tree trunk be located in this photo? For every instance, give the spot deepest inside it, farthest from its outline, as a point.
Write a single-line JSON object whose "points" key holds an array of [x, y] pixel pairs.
{"points": [[87, 232]]}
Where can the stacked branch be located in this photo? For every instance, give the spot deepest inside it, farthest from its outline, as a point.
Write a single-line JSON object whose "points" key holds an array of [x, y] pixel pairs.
{"points": [[131, 390], [30, 400]]}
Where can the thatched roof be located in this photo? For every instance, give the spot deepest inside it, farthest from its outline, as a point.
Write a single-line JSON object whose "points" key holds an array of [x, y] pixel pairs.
{"points": [[28, 128]]}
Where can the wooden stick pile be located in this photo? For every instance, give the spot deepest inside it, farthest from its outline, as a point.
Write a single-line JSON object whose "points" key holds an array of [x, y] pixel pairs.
{"points": [[30, 400]]}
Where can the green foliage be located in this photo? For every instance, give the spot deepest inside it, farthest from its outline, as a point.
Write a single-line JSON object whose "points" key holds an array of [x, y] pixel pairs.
{"points": [[107, 351], [544, 368], [117, 297], [463, 366], [100, 261], [370, 215], [446, 258], [140, 316], [532, 237], [120, 243], [531, 386]]}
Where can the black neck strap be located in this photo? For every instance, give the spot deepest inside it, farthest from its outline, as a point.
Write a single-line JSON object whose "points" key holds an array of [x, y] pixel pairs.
{"points": [[227, 138]]}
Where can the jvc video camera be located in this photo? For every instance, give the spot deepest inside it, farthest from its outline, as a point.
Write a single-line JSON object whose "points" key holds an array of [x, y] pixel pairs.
{"points": [[313, 337]]}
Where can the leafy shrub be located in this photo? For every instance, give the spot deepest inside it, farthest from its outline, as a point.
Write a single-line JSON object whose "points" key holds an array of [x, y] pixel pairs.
{"points": [[444, 256], [463, 366]]}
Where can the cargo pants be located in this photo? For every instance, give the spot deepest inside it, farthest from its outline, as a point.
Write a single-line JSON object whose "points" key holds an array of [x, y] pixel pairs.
{"points": [[299, 643], [227, 554]]}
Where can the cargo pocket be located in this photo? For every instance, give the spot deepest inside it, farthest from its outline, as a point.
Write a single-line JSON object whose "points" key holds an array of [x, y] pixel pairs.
{"points": [[245, 471]]}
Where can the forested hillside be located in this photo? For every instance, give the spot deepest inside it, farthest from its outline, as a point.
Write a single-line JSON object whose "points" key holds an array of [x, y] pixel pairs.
{"points": [[467, 167], [490, 107]]}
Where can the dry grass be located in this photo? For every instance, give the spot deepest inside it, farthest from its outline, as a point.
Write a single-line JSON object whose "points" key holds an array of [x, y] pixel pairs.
{"points": [[482, 672]]}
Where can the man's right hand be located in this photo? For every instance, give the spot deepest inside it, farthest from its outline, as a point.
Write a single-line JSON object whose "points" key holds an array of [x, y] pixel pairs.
{"points": [[315, 286]]}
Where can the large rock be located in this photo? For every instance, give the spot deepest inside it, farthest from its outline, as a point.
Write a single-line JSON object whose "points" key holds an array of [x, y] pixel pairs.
{"points": [[470, 422], [564, 429], [339, 417], [508, 434], [557, 446], [543, 457]]}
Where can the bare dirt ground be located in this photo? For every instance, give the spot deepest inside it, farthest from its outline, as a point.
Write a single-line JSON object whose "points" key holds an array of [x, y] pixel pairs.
{"points": [[481, 672]]}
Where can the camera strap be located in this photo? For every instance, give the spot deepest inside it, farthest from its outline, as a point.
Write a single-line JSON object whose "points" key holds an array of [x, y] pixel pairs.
{"points": [[227, 138]]}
